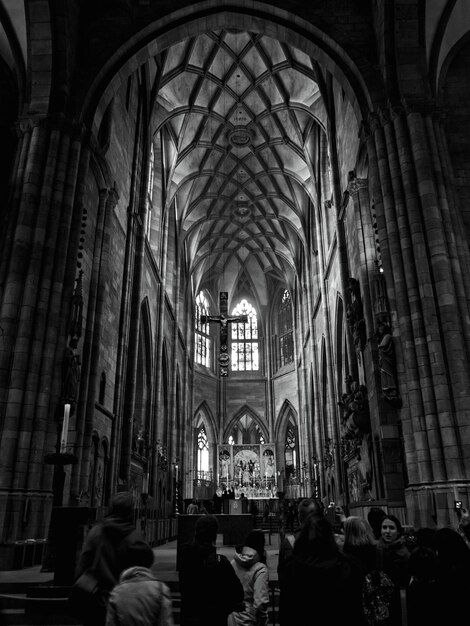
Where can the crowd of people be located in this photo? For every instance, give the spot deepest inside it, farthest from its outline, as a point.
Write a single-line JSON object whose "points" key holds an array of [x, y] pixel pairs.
{"points": [[347, 570], [370, 572]]}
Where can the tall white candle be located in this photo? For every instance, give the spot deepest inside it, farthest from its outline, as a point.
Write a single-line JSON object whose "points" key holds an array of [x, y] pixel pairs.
{"points": [[65, 429]]}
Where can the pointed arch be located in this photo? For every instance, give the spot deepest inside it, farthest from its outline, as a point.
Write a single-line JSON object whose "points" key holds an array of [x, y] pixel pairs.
{"points": [[144, 372], [203, 414], [286, 413], [340, 348], [246, 410]]}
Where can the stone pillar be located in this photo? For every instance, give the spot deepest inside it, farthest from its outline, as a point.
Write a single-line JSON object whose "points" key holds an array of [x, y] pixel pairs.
{"points": [[432, 304], [34, 309]]}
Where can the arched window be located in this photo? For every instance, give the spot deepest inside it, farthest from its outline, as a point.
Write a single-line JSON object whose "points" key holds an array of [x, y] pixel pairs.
{"points": [[150, 192], [202, 454], [245, 355], [202, 341], [286, 336], [290, 452], [102, 388]]}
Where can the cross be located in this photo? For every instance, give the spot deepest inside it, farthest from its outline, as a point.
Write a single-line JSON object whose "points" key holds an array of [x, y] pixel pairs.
{"points": [[223, 319]]}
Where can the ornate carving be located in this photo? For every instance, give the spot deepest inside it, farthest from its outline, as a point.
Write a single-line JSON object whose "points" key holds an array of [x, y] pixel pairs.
{"points": [[140, 441], [356, 184], [355, 419], [76, 313], [374, 122], [328, 454], [355, 315]]}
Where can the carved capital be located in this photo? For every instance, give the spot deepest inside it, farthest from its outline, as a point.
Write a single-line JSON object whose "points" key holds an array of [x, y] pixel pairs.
{"points": [[27, 123], [356, 184], [374, 122]]}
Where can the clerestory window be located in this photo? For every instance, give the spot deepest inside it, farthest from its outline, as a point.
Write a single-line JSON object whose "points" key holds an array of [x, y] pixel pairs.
{"points": [[245, 355], [202, 454], [202, 341], [286, 335]]}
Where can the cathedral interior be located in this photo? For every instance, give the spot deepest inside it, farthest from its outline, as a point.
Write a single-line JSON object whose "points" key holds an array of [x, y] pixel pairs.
{"points": [[233, 245]]}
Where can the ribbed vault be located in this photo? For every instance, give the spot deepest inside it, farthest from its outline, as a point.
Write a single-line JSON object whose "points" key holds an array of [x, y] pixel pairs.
{"points": [[238, 114]]}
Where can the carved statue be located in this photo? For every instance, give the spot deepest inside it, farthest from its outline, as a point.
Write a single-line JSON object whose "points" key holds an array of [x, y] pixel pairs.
{"points": [[387, 361], [355, 408], [355, 315], [70, 376]]}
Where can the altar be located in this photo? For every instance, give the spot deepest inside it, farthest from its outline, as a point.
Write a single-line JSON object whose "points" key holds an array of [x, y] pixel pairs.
{"points": [[247, 469]]}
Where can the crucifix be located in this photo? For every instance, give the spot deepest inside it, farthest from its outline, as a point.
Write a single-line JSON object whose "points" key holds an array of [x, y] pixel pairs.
{"points": [[223, 319]]}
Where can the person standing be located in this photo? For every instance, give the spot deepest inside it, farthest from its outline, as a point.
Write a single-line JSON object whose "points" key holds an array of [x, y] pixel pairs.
{"points": [[318, 578], [108, 550], [210, 589], [305, 508], [193, 508], [249, 564]]}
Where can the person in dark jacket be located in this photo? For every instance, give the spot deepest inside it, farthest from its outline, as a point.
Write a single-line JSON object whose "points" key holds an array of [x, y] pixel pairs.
{"points": [[395, 549], [210, 589], [108, 550], [375, 517], [360, 546], [305, 508], [453, 576], [318, 579], [422, 595]]}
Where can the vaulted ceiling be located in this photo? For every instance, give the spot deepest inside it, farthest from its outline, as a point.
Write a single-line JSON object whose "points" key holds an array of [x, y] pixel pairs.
{"points": [[240, 111]]}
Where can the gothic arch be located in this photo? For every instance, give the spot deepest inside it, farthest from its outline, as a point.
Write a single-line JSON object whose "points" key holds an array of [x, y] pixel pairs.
{"points": [[277, 23], [341, 354], [246, 410], [286, 412], [204, 410], [144, 372]]}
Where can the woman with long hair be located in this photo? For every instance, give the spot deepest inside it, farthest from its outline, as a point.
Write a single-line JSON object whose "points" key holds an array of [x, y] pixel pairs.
{"points": [[318, 577]]}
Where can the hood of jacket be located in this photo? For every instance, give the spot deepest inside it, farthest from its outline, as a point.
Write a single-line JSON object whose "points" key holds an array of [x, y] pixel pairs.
{"points": [[136, 574], [246, 557], [116, 528]]}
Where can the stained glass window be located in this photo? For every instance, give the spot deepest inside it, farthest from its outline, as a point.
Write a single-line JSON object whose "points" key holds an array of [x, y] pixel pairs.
{"points": [[286, 336], [202, 453], [290, 452], [245, 356], [202, 341]]}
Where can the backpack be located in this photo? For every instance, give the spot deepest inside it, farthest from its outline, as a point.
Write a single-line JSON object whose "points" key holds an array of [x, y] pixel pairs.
{"points": [[377, 594]]}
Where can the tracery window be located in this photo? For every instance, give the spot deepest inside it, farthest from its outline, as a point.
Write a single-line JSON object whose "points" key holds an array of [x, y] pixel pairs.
{"points": [[202, 454], [245, 356], [202, 341], [286, 335], [290, 452]]}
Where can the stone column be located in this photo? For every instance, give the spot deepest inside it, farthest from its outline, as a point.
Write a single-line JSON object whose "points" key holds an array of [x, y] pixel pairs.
{"points": [[34, 310]]}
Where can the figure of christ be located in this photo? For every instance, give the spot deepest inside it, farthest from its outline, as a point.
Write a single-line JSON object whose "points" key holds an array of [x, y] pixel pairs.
{"points": [[223, 319]]}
